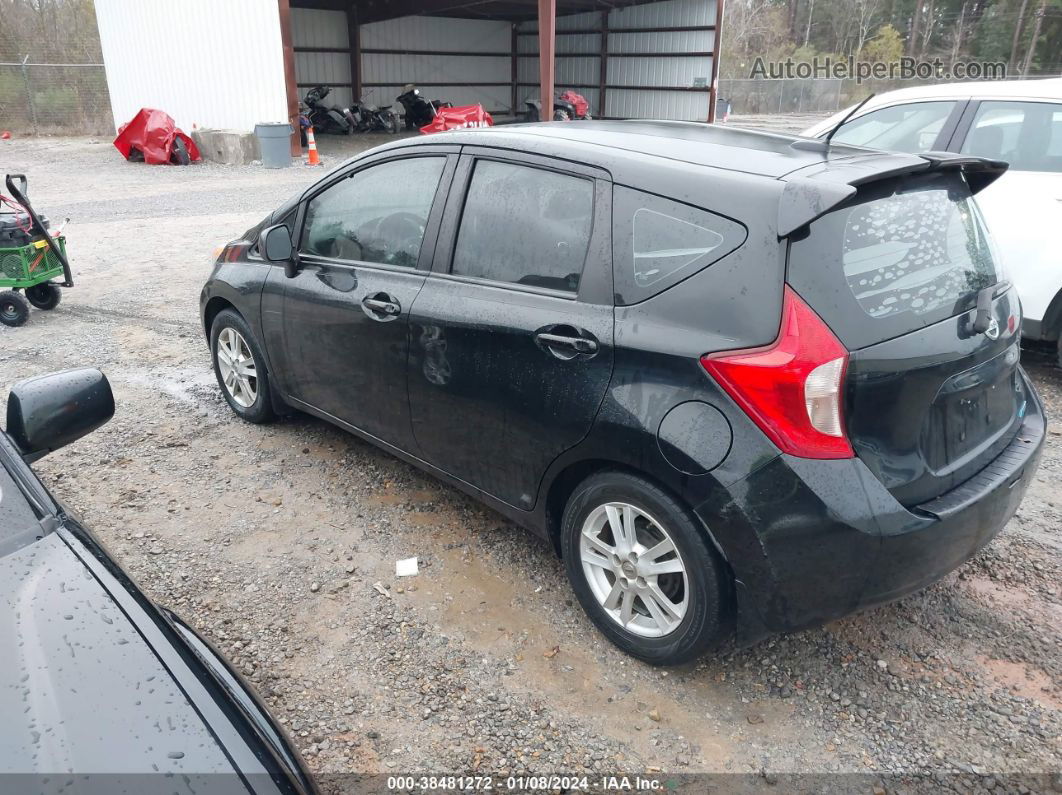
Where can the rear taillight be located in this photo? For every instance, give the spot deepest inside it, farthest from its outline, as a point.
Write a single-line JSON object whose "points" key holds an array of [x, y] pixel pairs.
{"points": [[792, 388]]}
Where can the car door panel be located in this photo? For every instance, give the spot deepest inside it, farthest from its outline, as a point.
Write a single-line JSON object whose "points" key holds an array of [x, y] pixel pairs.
{"points": [[342, 326], [505, 377]]}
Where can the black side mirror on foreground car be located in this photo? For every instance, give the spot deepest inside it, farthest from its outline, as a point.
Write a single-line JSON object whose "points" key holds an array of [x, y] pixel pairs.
{"points": [[50, 411], [276, 247]]}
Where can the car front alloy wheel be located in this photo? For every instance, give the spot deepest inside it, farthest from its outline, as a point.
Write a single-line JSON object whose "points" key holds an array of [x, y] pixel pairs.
{"points": [[240, 367]]}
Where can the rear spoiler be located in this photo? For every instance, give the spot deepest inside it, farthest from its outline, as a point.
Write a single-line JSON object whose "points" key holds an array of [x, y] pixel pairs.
{"points": [[813, 191]]}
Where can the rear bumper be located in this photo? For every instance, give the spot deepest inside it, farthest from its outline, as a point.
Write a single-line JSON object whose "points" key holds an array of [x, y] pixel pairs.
{"points": [[833, 540]]}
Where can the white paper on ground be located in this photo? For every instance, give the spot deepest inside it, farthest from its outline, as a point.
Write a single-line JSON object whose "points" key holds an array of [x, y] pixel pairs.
{"points": [[407, 568]]}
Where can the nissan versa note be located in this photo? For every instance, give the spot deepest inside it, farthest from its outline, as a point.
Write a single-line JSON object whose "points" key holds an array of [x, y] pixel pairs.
{"points": [[739, 380]]}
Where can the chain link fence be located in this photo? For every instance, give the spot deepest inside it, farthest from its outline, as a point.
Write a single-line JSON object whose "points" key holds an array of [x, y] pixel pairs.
{"points": [[54, 99]]}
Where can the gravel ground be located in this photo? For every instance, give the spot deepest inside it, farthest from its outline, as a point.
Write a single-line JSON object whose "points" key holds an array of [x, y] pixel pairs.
{"points": [[279, 543]]}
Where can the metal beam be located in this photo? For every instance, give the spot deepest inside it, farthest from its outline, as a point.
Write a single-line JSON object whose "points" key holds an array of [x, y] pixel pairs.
{"points": [[547, 45]]}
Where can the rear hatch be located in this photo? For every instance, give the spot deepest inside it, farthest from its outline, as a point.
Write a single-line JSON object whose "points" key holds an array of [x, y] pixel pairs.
{"points": [[930, 396]]}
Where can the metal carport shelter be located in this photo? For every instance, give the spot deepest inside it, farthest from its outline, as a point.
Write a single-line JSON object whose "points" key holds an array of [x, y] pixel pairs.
{"points": [[660, 59]]}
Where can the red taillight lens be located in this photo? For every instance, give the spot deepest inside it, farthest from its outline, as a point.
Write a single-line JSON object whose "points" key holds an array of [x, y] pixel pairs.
{"points": [[792, 388]]}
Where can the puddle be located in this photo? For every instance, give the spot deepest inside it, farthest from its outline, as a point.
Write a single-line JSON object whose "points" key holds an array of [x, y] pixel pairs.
{"points": [[1023, 680]]}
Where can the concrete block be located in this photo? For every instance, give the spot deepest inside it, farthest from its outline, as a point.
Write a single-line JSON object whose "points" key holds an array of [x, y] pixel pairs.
{"points": [[231, 147]]}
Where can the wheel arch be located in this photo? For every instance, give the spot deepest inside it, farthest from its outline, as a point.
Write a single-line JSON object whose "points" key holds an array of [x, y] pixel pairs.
{"points": [[568, 479], [213, 308], [1051, 327]]}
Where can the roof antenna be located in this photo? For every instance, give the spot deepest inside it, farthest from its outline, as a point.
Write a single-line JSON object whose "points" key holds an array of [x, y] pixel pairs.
{"points": [[847, 116]]}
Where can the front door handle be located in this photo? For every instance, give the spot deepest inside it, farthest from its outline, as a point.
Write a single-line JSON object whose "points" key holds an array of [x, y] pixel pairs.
{"points": [[381, 306]]}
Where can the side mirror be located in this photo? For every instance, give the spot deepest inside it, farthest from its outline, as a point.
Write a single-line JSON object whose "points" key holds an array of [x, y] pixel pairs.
{"points": [[276, 246], [50, 411]]}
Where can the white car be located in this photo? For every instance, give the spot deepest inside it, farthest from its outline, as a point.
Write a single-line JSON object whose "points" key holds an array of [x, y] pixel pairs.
{"points": [[1019, 121]]}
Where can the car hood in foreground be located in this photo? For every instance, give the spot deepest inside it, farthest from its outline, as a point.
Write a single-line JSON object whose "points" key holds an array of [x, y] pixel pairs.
{"points": [[81, 691]]}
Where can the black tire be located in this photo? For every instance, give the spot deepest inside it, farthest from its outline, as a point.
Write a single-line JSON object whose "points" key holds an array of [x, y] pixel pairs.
{"points": [[45, 295], [261, 409], [561, 115], [708, 597], [179, 154], [14, 309]]}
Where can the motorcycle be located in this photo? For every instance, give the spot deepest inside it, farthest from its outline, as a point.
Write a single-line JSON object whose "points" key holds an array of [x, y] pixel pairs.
{"points": [[328, 119], [419, 111], [566, 107], [370, 118]]}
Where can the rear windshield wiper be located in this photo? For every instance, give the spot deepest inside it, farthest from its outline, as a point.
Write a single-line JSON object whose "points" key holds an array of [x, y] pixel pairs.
{"points": [[983, 318]]}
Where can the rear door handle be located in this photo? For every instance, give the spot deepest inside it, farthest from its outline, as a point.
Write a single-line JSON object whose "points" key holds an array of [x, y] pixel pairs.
{"points": [[573, 343]]}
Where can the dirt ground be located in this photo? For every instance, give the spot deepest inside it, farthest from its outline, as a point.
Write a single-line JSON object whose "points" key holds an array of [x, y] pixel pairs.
{"points": [[279, 543]]}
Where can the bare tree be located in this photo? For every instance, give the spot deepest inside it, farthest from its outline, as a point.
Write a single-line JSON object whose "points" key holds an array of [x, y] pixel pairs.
{"points": [[1035, 35], [1018, 24]]}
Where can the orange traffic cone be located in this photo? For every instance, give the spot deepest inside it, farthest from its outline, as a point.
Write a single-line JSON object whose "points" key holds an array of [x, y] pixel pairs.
{"points": [[311, 144]]}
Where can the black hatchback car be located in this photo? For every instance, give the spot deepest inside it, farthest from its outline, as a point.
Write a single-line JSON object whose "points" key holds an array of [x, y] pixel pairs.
{"points": [[735, 378]]}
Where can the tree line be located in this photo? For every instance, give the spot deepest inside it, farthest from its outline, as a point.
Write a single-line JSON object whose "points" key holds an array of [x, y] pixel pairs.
{"points": [[1026, 35]]}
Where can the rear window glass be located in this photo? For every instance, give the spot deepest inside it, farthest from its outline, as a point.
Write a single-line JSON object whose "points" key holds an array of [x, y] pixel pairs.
{"points": [[659, 242], [895, 262]]}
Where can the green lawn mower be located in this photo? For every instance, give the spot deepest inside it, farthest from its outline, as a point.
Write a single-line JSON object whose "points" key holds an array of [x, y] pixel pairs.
{"points": [[30, 257]]}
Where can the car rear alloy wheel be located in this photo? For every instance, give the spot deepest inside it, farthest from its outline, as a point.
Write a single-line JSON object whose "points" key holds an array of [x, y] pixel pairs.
{"points": [[634, 569], [644, 569], [240, 369]]}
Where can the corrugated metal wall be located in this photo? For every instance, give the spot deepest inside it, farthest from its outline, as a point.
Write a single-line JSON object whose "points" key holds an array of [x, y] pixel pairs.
{"points": [[313, 28], [185, 59], [575, 66], [439, 33]]}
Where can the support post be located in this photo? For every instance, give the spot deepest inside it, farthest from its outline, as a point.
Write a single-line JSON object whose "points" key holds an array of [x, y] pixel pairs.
{"points": [[354, 42], [717, 39], [547, 45], [291, 89], [603, 65], [514, 70], [29, 95]]}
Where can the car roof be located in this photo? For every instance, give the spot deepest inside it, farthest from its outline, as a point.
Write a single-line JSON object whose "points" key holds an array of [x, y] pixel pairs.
{"points": [[1047, 89], [609, 143]]}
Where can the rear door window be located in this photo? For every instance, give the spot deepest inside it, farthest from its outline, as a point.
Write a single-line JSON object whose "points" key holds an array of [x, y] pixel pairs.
{"points": [[913, 127], [1028, 135], [659, 242], [525, 225], [896, 261]]}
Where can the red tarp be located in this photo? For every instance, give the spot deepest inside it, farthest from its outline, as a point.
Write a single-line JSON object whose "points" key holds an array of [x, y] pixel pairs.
{"points": [[152, 132], [458, 118]]}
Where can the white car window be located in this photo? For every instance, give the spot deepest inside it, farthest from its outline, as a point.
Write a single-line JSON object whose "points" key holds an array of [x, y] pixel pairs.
{"points": [[1028, 135], [913, 127]]}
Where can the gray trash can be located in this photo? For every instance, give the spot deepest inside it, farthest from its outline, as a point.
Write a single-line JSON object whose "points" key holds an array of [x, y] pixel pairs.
{"points": [[274, 139]]}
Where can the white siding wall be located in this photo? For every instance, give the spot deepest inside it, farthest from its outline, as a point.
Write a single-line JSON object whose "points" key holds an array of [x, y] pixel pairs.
{"points": [[632, 71], [215, 64], [439, 33]]}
